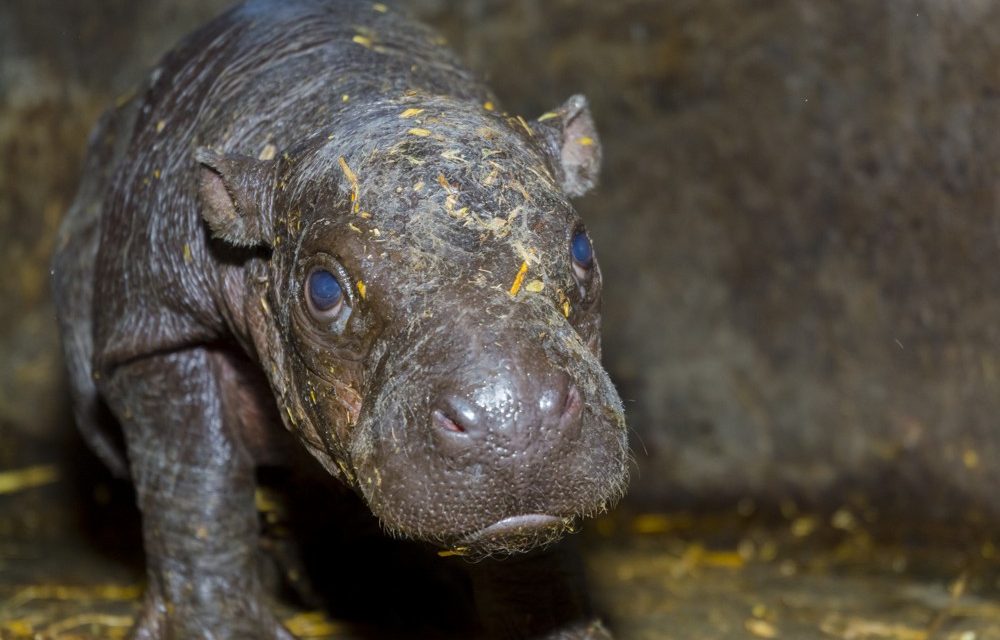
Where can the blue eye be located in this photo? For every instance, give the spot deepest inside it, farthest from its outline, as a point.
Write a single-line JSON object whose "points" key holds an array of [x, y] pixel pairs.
{"points": [[325, 293], [582, 250]]}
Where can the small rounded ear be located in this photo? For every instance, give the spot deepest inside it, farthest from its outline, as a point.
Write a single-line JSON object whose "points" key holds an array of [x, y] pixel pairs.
{"points": [[236, 193], [572, 145]]}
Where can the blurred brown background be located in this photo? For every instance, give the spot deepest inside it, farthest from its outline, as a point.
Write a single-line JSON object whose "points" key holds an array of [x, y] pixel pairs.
{"points": [[798, 225]]}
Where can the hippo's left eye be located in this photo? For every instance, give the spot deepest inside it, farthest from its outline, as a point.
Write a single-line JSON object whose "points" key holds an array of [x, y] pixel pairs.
{"points": [[324, 294], [583, 254]]}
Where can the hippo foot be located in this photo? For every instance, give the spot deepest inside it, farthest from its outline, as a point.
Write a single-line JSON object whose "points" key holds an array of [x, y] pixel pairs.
{"points": [[160, 621], [594, 630]]}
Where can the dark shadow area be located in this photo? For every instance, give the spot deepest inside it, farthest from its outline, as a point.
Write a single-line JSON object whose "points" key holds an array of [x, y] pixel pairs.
{"points": [[328, 552]]}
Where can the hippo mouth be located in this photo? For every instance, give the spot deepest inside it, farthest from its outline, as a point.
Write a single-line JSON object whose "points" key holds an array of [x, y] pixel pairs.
{"points": [[515, 534]]}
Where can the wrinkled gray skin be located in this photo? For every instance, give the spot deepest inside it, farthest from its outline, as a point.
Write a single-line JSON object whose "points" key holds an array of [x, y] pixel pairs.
{"points": [[468, 411]]}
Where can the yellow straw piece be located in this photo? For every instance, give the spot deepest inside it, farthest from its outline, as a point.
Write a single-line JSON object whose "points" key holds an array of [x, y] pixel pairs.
{"points": [[20, 479], [518, 279]]}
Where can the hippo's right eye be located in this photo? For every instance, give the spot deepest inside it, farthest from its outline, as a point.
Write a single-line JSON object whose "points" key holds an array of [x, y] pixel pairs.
{"points": [[324, 294]]}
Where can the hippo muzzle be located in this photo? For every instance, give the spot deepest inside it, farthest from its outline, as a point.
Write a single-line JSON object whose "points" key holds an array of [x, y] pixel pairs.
{"points": [[490, 431]]}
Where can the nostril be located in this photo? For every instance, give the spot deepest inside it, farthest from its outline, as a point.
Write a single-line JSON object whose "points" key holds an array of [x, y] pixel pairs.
{"points": [[455, 415], [573, 404], [444, 422]]}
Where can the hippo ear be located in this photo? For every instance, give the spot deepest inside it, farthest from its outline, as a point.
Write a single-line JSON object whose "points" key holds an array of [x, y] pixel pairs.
{"points": [[235, 194], [572, 144]]}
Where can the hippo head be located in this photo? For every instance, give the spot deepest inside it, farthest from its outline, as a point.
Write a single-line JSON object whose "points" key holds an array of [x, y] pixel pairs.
{"points": [[428, 315]]}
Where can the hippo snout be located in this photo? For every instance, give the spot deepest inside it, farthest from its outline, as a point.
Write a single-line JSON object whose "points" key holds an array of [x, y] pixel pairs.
{"points": [[491, 445]]}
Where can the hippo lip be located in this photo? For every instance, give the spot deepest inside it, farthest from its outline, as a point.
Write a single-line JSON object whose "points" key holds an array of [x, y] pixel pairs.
{"points": [[532, 526]]}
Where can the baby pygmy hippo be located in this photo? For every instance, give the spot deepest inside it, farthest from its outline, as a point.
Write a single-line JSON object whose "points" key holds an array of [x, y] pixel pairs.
{"points": [[312, 217]]}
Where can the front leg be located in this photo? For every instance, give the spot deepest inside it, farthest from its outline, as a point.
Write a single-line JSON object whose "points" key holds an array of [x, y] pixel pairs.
{"points": [[540, 596], [195, 485]]}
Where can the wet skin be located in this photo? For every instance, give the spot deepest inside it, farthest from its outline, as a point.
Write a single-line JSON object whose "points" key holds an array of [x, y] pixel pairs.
{"points": [[312, 215]]}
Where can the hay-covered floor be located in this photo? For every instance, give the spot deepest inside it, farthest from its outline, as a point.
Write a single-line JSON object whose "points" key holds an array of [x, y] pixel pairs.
{"points": [[66, 572]]}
